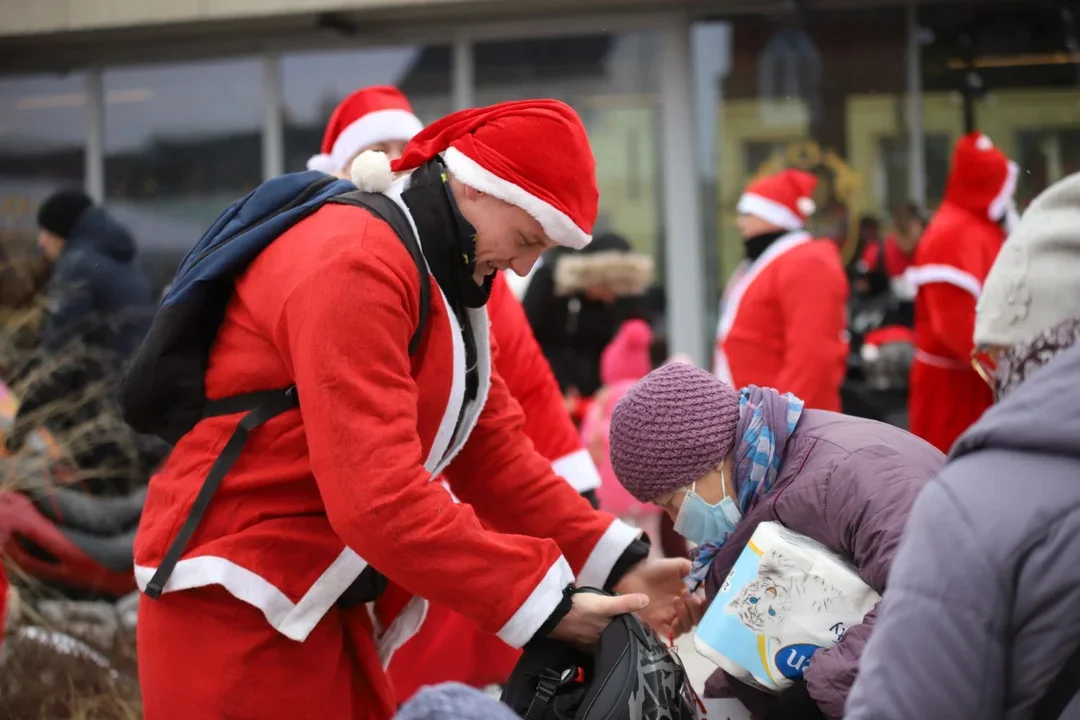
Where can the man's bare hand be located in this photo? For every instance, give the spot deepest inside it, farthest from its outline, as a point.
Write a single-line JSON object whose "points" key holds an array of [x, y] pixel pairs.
{"points": [[590, 614], [662, 582]]}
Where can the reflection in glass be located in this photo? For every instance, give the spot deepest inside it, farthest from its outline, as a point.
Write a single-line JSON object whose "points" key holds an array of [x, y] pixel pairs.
{"points": [[181, 143], [42, 146]]}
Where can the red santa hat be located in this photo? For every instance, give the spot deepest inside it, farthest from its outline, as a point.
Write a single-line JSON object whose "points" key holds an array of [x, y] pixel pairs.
{"points": [[533, 154], [369, 116], [784, 199], [982, 179]]}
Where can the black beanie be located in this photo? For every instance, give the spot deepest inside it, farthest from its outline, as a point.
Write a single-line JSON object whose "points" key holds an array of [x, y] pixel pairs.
{"points": [[61, 210]]}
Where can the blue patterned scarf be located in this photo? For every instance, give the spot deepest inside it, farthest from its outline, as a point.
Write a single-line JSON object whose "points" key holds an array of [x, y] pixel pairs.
{"points": [[766, 420]]}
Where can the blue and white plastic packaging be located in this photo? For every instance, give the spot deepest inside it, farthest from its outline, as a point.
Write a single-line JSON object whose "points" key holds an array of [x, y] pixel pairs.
{"points": [[786, 597]]}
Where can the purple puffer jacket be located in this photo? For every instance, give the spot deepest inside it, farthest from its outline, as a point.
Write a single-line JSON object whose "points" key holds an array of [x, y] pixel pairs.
{"points": [[848, 483]]}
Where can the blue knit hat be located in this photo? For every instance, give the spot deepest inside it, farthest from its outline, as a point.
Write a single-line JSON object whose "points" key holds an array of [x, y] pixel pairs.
{"points": [[453, 701]]}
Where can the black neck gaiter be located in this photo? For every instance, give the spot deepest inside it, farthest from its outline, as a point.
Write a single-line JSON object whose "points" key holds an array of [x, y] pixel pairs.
{"points": [[757, 245]]}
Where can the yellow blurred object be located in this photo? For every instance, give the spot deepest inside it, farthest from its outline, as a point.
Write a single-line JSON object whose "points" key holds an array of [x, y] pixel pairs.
{"points": [[39, 443]]}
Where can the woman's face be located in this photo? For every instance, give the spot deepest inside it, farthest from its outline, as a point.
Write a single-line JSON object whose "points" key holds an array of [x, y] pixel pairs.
{"points": [[712, 487]]}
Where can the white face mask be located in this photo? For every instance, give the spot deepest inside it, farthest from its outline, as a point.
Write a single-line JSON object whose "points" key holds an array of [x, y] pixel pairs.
{"points": [[700, 523]]}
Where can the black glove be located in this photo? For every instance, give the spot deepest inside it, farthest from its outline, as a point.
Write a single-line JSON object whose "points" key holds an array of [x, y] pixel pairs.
{"points": [[794, 703]]}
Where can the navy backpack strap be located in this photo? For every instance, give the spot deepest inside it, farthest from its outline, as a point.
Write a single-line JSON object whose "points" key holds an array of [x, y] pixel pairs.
{"points": [[1062, 691]]}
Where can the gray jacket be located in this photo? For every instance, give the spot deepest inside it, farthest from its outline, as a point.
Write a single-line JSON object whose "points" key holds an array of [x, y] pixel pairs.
{"points": [[983, 606]]}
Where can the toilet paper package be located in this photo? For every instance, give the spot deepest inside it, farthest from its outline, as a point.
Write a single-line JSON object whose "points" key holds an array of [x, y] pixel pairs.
{"points": [[786, 597]]}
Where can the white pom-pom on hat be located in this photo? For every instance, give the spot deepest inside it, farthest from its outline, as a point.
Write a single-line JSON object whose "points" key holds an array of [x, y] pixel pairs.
{"points": [[984, 143], [806, 206], [370, 171]]}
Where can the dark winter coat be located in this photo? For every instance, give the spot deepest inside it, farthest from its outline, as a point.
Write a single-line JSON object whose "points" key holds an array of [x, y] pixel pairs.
{"points": [[984, 597], [848, 483]]}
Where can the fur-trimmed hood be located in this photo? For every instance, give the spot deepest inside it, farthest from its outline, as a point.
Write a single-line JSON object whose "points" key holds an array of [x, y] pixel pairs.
{"points": [[623, 273]]}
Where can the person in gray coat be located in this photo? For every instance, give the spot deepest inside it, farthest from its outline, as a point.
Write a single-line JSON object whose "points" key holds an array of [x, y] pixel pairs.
{"points": [[982, 617], [720, 462]]}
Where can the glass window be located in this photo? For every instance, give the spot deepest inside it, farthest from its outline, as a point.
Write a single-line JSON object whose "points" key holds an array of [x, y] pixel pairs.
{"points": [[612, 81], [822, 91], [42, 146], [181, 143], [314, 83], [1013, 73]]}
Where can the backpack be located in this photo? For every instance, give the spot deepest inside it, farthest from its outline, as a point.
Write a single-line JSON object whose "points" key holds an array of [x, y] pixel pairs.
{"points": [[163, 391]]}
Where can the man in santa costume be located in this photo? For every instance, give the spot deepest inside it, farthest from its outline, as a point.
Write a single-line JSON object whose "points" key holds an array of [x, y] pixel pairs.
{"points": [[951, 263], [450, 647], [252, 622], [783, 315]]}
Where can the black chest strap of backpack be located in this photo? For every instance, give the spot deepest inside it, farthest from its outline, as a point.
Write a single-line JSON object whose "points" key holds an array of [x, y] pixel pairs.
{"points": [[264, 405]]}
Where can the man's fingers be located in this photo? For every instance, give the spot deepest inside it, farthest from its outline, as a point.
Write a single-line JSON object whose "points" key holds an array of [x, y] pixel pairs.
{"points": [[622, 604]]}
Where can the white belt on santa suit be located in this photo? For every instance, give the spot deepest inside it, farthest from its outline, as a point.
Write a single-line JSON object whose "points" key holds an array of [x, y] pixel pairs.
{"points": [[945, 363]]}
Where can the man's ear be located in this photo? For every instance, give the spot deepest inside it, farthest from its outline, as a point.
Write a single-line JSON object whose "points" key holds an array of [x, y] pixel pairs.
{"points": [[472, 194]]}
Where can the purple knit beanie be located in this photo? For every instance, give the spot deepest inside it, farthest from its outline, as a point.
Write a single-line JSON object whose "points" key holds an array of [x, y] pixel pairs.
{"points": [[671, 428]]}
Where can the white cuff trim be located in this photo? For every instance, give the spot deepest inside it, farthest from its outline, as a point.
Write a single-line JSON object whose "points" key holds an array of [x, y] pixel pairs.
{"points": [[770, 211], [579, 470], [557, 225], [608, 550], [929, 274], [535, 611]]}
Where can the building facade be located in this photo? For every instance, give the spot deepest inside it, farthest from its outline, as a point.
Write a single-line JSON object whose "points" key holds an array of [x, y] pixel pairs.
{"points": [[169, 111]]}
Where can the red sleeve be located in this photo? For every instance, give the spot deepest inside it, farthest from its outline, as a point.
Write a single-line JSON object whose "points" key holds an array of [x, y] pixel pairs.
{"points": [[870, 255], [813, 298], [951, 311], [529, 379], [345, 330], [514, 490]]}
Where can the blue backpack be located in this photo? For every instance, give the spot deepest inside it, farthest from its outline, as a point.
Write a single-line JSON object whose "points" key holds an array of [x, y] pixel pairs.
{"points": [[163, 391]]}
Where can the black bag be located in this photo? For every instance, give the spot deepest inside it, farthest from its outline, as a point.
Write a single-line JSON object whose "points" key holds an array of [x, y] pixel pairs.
{"points": [[163, 391]]}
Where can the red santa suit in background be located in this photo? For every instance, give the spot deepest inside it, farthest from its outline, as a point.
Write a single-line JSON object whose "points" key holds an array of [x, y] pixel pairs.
{"points": [[449, 647], [951, 263], [249, 623], [783, 315]]}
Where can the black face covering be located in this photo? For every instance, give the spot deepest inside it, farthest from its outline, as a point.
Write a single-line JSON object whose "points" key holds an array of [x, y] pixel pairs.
{"points": [[449, 245], [757, 245]]}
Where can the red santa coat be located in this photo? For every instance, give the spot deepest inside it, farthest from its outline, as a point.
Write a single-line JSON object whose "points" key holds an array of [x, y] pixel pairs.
{"points": [[450, 647], [783, 322], [346, 480], [951, 264]]}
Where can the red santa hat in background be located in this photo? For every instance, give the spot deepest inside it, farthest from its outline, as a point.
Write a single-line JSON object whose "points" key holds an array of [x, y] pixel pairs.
{"points": [[784, 199], [369, 116], [533, 154], [982, 179]]}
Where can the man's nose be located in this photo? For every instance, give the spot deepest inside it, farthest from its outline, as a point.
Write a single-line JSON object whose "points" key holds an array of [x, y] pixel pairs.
{"points": [[523, 263]]}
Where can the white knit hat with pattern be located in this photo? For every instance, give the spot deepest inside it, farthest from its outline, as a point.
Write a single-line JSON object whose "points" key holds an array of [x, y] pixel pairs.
{"points": [[1035, 282]]}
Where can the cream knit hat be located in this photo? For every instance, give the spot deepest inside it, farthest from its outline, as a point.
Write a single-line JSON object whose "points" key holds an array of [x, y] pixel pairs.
{"points": [[1035, 282]]}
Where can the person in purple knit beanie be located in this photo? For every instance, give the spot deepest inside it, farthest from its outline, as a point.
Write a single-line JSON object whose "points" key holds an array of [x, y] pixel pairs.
{"points": [[721, 461]]}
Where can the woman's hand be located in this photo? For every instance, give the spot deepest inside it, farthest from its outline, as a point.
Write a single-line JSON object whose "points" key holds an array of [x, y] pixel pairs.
{"points": [[662, 582], [688, 612]]}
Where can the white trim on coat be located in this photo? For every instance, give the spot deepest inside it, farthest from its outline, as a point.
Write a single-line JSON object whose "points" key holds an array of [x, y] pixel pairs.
{"points": [[578, 469], [770, 211], [740, 282], [402, 628], [371, 129], [999, 206], [929, 274], [557, 225], [607, 551], [294, 621], [535, 611]]}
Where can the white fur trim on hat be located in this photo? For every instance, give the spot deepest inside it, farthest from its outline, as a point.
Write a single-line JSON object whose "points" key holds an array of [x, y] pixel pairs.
{"points": [[370, 171], [999, 206], [557, 225], [371, 129], [770, 211], [322, 163]]}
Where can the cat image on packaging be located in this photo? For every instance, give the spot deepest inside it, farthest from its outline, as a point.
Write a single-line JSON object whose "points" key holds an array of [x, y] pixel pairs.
{"points": [[785, 598]]}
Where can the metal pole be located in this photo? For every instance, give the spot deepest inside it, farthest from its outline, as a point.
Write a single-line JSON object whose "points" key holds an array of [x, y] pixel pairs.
{"points": [[463, 72], [916, 133], [684, 267], [273, 137], [94, 156]]}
